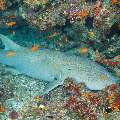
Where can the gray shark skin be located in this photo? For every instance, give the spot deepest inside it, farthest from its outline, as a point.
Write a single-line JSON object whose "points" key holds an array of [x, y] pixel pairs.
{"points": [[54, 66]]}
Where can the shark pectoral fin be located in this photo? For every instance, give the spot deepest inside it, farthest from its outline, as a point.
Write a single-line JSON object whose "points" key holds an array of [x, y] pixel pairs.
{"points": [[9, 44], [51, 85], [13, 71]]}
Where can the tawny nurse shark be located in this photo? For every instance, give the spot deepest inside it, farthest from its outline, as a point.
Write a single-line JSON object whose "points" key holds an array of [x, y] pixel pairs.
{"points": [[54, 66]]}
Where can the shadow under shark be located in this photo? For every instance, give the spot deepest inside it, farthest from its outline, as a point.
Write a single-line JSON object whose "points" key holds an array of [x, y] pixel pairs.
{"points": [[54, 66]]}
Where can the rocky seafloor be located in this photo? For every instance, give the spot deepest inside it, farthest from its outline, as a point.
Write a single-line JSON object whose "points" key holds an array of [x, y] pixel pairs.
{"points": [[20, 95]]}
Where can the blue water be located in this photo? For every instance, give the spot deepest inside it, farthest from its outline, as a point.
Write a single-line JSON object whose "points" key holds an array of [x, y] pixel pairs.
{"points": [[22, 34]]}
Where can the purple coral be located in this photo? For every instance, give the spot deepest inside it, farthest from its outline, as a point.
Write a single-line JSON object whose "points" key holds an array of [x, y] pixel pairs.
{"points": [[13, 115]]}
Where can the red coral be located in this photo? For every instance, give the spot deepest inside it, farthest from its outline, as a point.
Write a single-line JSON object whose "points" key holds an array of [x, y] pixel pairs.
{"points": [[81, 107], [113, 87], [109, 62], [95, 100], [73, 88], [92, 116], [71, 102]]}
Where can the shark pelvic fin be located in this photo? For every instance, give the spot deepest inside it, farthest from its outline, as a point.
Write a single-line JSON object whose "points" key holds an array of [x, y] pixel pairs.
{"points": [[9, 44]]}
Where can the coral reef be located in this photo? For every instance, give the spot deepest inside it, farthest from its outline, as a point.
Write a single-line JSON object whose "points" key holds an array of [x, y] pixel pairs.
{"points": [[89, 105], [72, 101], [93, 25]]}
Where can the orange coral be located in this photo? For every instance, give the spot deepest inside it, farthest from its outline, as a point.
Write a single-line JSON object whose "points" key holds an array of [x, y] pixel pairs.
{"points": [[83, 13], [2, 108], [80, 14], [35, 48], [2, 4], [114, 2], [11, 24], [116, 103]]}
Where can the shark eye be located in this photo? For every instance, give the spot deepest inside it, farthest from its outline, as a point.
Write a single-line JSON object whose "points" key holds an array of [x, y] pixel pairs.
{"points": [[55, 78]]}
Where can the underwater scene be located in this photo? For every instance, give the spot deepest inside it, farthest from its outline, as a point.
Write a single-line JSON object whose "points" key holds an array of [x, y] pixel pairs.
{"points": [[59, 59]]}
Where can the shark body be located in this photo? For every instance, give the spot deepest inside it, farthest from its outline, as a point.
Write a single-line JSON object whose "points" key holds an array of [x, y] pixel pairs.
{"points": [[54, 66]]}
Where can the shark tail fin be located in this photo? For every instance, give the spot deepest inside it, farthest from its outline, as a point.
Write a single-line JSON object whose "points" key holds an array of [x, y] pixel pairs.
{"points": [[9, 44]]}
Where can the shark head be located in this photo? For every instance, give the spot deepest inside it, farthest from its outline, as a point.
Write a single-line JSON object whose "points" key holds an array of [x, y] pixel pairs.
{"points": [[8, 54]]}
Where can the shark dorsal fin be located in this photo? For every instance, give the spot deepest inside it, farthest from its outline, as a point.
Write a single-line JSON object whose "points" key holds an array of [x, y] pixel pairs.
{"points": [[9, 44]]}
